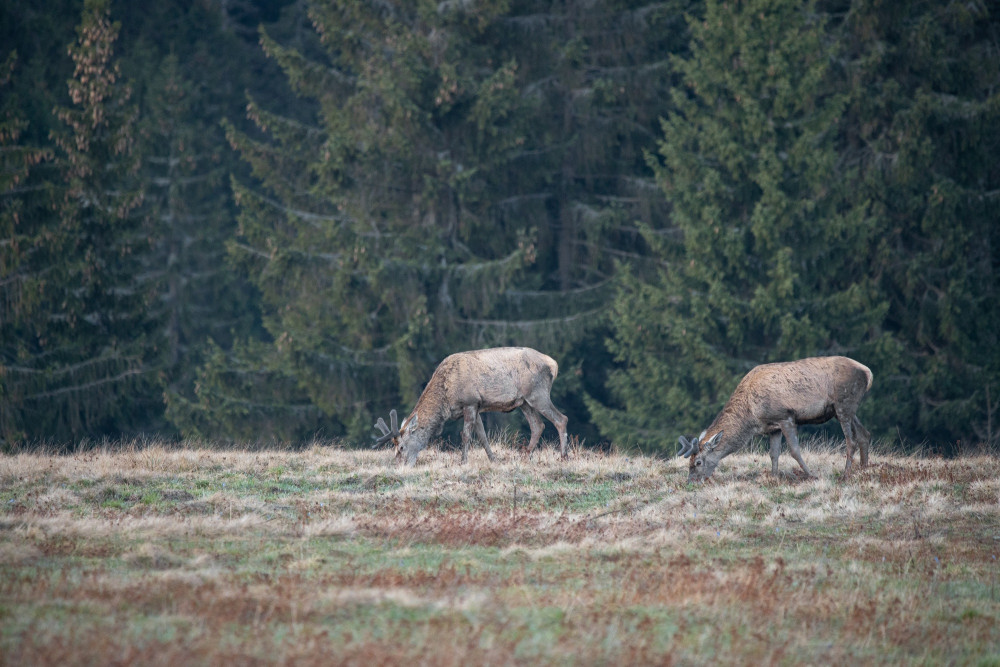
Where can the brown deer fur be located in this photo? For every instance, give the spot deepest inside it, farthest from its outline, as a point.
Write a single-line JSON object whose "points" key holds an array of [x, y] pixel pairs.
{"points": [[774, 399], [469, 383]]}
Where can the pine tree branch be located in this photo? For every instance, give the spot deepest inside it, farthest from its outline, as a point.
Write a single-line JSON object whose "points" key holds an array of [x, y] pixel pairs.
{"points": [[250, 249], [71, 368], [174, 161], [530, 324], [558, 293], [85, 387], [300, 213], [167, 181], [21, 190], [517, 199]]}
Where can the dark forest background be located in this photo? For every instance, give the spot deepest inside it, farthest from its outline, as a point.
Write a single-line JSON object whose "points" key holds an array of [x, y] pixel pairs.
{"points": [[262, 220]]}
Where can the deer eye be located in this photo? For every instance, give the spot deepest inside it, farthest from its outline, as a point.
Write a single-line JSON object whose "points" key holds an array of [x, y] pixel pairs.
{"points": [[698, 462]]}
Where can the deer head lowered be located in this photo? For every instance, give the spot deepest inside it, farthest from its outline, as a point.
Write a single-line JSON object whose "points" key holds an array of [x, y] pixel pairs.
{"points": [[773, 400], [467, 384]]}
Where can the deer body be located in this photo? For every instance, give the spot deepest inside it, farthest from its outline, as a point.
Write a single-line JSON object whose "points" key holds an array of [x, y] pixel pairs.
{"points": [[774, 399], [467, 384]]}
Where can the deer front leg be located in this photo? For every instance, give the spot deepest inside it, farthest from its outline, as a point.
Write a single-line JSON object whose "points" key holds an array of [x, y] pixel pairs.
{"points": [[791, 434], [481, 430]]}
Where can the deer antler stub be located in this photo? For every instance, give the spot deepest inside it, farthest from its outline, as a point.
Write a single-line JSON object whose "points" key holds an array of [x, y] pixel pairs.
{"points": [[387, 433]]}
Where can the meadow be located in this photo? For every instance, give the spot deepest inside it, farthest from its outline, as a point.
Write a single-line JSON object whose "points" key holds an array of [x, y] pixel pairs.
{"points": [[162, 554]]}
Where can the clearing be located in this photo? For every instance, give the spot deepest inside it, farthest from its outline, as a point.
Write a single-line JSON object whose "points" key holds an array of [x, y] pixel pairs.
{"points": [[169, 555]]}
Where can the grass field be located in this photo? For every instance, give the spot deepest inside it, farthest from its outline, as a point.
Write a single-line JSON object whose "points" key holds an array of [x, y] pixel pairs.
{"points": [[160, 555]]}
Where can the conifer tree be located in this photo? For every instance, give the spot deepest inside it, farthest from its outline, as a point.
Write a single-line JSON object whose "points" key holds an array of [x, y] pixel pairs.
{"points": [[451, 144], [597, 79], [925, 120], [198, 297], [190, 71], [88, 354], [369, 237], [20, 280], [768, 263]]}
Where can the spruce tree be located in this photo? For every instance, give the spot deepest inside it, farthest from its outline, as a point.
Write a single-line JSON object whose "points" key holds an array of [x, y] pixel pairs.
{"points": [[89, 356], [369, 235], [198, 297], [22, 213], [597, 79], [764, 257], [925, 119], [466, 183], [191, 65]]}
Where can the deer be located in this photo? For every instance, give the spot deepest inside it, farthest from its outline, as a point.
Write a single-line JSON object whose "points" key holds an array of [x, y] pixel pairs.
{"points": [[774, 400], [465, 385]]}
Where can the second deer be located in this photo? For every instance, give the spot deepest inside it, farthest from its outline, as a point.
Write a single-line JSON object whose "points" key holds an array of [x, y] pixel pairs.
{"points": [[469, 383]]}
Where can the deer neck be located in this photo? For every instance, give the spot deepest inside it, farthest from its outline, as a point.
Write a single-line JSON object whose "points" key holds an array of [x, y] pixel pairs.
{"points": [[430, 419], [736, 434]]}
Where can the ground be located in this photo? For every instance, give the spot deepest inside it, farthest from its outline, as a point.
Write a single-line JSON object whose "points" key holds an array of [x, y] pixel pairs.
{"points": [[151, 554]]}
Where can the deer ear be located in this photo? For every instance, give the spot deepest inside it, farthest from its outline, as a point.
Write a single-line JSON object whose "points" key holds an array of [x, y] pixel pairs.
{"points": [[413, 422], [712, 441]]}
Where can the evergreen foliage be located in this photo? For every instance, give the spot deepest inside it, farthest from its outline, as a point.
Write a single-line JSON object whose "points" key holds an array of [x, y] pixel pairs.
{"points": [[924, 132], [20, 281], [369, 240], [598, 78], [199, 302], [659, 195], [405, 223], [770, 263], [83, 360]]}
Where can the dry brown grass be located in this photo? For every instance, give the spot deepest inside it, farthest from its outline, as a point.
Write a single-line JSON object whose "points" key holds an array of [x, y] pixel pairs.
{"points": [[163, 555]]}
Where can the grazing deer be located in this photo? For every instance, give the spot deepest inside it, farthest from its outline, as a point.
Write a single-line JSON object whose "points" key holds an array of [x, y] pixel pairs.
{"points": [[469, 383], [773, 399]]}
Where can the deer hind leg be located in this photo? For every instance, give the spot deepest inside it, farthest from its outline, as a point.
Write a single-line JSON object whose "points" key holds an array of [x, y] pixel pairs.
{"points": [[775, 451], [481, 430], [846, 420], [536, 425], [791, 434], [557, 418], [471, 416], [541, 401], [864, 439]]}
